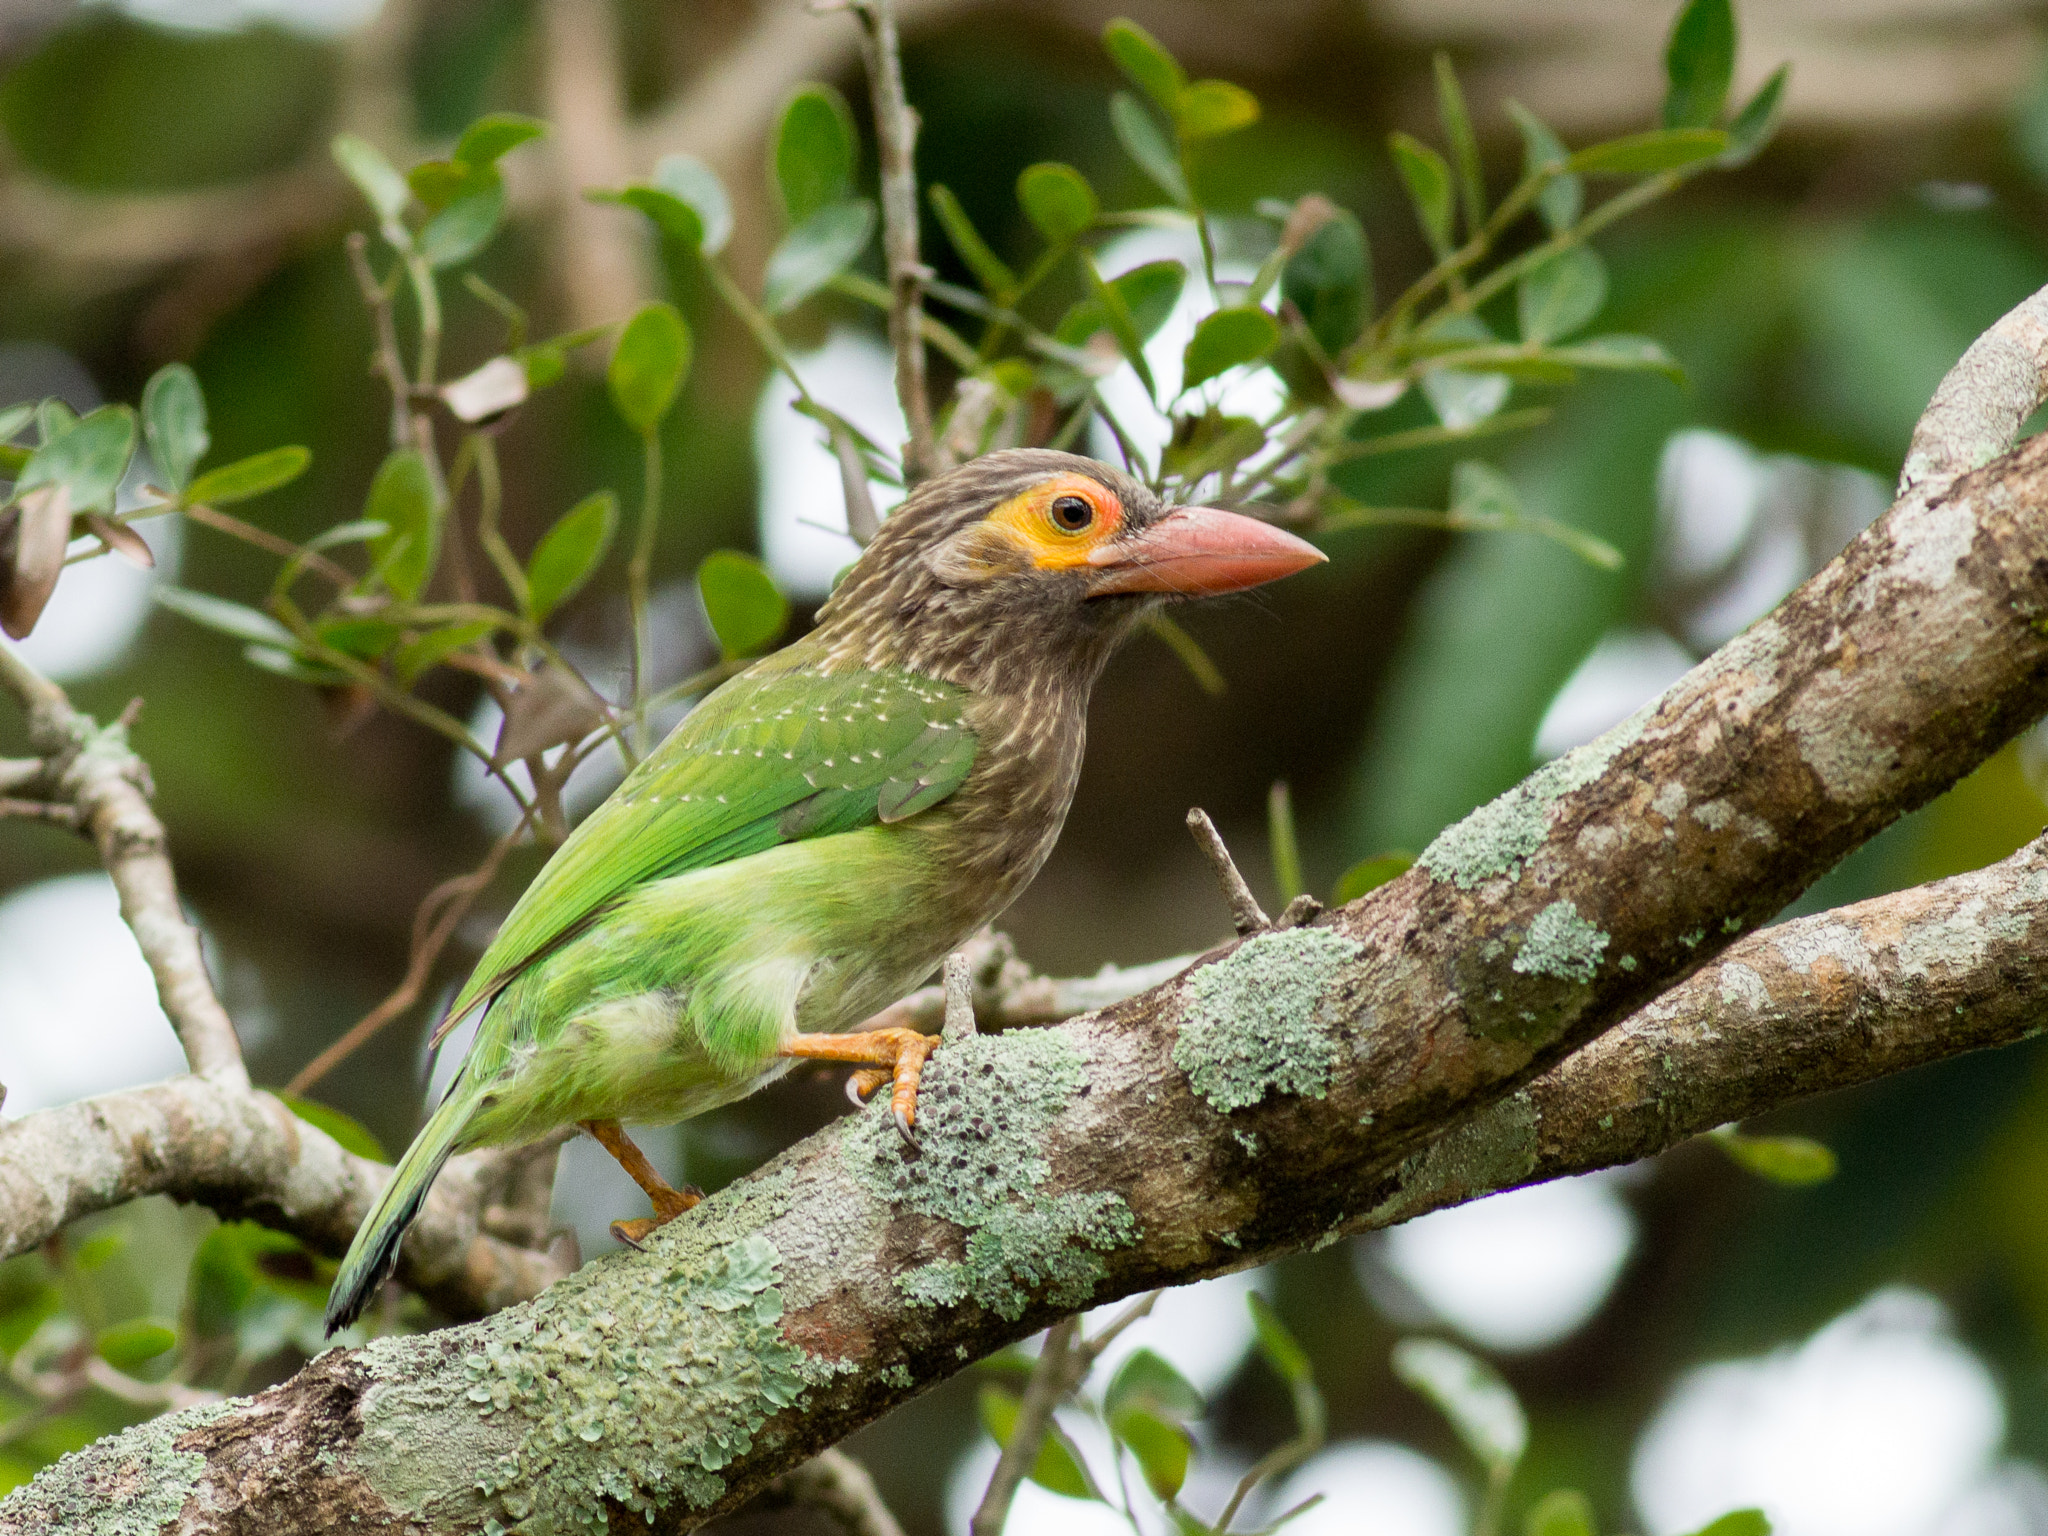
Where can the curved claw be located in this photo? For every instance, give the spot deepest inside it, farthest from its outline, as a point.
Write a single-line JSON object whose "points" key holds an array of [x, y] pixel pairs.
{"points": [[902, 1120]]}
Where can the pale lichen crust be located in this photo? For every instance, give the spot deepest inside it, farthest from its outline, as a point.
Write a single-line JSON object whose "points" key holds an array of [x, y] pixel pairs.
{"points": [[131, 1484], [1561, 943], [982, 1113], [1495, 839], [599, 1393], [1254, 1022]]}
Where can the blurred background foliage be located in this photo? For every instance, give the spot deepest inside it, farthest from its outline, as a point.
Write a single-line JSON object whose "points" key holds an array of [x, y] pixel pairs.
{"points": [[1868, 1353]]}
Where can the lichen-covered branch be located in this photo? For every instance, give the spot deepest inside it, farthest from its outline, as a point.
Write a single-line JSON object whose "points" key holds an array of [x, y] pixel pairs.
{"points": [[90, 768], [245, 1154]]}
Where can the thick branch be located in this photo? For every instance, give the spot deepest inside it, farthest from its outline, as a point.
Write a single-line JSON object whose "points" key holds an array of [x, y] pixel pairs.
{"points": [[91, 769]]}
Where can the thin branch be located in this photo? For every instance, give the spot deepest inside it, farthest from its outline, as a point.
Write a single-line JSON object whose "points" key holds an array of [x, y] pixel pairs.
{"points": [[837, 1485], [92, 768], [896, 141], [1052, 1378], [1246, 915], [41, 810]]}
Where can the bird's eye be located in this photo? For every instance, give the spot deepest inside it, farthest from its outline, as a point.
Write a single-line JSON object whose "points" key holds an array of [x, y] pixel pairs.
{"points": [[1072, 513]]}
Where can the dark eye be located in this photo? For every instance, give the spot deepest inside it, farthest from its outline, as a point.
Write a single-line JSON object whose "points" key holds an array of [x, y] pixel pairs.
{"points": [[1072, 513]]}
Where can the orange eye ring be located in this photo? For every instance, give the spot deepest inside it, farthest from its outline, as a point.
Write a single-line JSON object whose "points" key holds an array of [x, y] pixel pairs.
{"points": [[1060, 520]]}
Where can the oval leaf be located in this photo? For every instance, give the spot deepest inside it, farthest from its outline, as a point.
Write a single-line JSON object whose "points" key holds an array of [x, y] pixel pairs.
{"points": [[1758, 120], [402, 499], [694, 184], [1057, 199], [1149, 1381], [217, 613], [174, 423], [648, 366], [463, 228], [1738, 1522], [127, 1345], [375, 177], [1143, 58], [1280, 1348], [344, 1129], [412, 660], [1666, 149], [40, 529], [1427, 176], [1329, 280], [1788, 1160], [87, 458], [1563, 195], [815, 252], [814, 151], [248, 477], [1226, 339], [1161, 1449], [1208, 109], [1699, 61], [1471, 1394], [1145, 142], [1561, 295], [484, 140], [747, 611], [572, 550]]}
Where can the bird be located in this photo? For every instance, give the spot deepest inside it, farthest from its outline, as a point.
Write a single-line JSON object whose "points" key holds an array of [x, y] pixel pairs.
{"points": [[821, 830]]}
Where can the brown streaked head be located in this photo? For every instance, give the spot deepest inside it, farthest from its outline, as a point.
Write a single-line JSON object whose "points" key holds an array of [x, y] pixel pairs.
{"points": [[1033, 552]]}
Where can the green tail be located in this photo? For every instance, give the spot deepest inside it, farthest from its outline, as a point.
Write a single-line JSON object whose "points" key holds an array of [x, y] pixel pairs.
{"points": [[374, 1253]]}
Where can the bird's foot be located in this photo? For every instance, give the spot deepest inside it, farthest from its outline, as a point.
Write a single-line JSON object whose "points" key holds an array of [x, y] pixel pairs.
{"points": [[669, 1202], [884, 1055], [668, 1205]]}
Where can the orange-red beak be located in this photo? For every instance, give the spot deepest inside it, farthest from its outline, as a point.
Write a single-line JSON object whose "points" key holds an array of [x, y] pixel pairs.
{"points": [[1199, 552]]}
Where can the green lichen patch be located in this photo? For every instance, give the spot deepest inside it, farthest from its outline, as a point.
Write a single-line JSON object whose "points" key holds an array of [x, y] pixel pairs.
{"points": [[131, 1484], [636, 1382], [983, 1110], [1255, 1023], [1496, 839], [1561, 943]]}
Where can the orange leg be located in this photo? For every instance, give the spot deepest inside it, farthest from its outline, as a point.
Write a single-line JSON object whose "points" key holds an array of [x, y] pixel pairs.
{"points": [[669, 1202], [885, 1053]]}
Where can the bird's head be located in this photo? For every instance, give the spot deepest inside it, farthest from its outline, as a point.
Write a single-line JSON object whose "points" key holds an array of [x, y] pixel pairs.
{"points": [[1035, 552]]}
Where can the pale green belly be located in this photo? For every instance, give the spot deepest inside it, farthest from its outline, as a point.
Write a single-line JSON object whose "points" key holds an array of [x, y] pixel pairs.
{"points": [[678, 1000]]}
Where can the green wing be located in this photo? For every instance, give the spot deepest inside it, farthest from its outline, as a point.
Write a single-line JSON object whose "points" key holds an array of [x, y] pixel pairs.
{"points": [[767, 759]]}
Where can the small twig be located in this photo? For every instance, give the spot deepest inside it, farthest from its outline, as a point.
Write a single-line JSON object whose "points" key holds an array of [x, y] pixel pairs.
{"points": [[249, 533], [20, 772], [40, 810], [1246, 915], [833, 1483], [861, 520], [959, 987], [94, 770], [390, 361], [1089, 1350], [896, 140], [446, 905], [1052, 1378]]}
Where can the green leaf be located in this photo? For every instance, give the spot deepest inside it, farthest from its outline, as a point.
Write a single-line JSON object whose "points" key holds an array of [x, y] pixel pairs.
{"points": [[412, 660], [1462, 398], [88, 459], [1148, 293], [1145, 61], [1563, 195], [1699, 61], [814, 151], [747, 610], [463, 228], [14, 419], [364, 639], [248, 477], [570, 553], [1620, 352], [1116, 313], [1148, 1380], [1057, 199], [1370, 874], [344, 1129], [488, 138], [989, 269], [1640, 154], [402, 498], [1226, 339], [437, 183], [375, 177], [1208, 109], [815, 252], [1330, 281], [1138, 131], [1738, 1522], [1187, 650], [127, 1345], [1561, 295], [1758, 120], [361, 531], [1470, 1393], [217, 613], [1561, 1512], [694, 184], [53, 419], [1427, 177], [1790, 1160], [546, 361], [1279, 1347], [173, 423], [95, 1253], [295, 665], [27, 1301], [1161, 1449], [1058, 1467], [648, 365], [236, 1263], [1457, 121]]}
